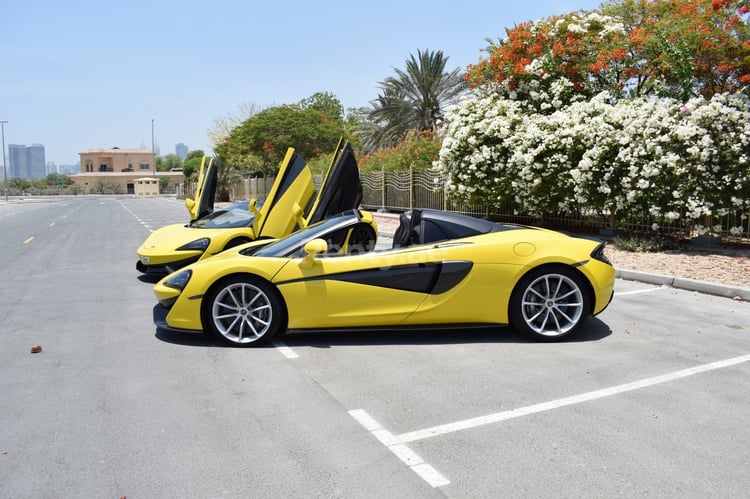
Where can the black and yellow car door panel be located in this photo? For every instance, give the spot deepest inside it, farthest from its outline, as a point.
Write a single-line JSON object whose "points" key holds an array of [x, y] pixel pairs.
{"points": [[284, 206], [361, 291], [205, 191]]}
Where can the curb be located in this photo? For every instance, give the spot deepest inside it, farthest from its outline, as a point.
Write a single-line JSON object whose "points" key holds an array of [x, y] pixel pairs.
{"points": [[684, 283]]}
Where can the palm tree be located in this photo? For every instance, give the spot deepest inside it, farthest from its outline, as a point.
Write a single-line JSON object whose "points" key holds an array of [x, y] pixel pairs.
{"points": [[414, 99]]}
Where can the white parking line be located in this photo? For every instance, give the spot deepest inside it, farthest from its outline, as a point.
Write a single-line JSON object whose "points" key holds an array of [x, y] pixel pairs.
{"points": [[285, 350], [403, 452], [639, 291], [575, 399]]}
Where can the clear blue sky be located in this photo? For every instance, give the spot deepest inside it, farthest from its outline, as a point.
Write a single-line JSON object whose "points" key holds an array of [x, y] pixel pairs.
{"points": [[82, 74]]}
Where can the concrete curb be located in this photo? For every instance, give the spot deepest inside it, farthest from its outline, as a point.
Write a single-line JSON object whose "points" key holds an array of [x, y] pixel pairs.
{"points": [[708, 288]]}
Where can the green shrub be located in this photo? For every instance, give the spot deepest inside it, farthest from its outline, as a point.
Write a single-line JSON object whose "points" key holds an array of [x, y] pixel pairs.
{"points": [[645, 243]]}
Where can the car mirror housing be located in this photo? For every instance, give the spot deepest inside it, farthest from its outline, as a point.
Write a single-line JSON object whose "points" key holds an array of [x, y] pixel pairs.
{"points": [[312, 249], [316, 247]]}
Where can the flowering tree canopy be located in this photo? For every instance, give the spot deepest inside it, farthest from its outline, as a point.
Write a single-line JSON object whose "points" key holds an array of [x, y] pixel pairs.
{"points": [[676, 48]]}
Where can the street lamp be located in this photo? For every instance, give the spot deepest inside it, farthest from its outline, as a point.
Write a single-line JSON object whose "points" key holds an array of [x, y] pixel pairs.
{"points": [[153, 150], [5, 171]]}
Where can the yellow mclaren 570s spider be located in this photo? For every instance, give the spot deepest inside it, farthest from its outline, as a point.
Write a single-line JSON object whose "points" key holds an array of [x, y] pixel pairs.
{"points": [[443, 269], [291, 204]]}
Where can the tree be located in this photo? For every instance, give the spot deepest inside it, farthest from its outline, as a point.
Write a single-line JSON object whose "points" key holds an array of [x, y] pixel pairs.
{"points": [[192, 163], [671, 48], [414, 99], [312, 127], [325, 102], [169, 162], [222, 127]]}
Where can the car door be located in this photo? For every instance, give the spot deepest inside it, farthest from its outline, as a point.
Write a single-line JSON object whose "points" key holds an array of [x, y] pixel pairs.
{"points": [[341, 189], [372, 289], [205, 191], [291, 192]]}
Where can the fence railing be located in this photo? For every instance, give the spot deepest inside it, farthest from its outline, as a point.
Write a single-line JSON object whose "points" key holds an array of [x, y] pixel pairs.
{"points": [[404, 190]]}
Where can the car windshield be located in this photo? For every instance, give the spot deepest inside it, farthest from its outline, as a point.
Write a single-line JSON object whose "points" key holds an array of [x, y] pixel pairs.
{"points": [[230, 217], [294, 242]]}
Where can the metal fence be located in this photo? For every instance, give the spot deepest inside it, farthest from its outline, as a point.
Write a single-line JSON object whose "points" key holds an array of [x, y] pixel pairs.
{"points": [[404, 190]]}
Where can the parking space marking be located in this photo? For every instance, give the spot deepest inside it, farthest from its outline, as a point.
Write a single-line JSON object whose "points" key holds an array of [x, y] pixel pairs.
{"points": [[285, 350], [399, 449], [639, 291], [575, 399]]}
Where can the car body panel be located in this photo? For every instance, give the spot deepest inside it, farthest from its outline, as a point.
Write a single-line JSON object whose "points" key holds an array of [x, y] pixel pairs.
{"points": [[468, 280]]}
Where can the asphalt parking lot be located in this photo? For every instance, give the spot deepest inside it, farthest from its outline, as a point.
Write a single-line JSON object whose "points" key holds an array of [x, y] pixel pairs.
{"points": [[650, 400]]}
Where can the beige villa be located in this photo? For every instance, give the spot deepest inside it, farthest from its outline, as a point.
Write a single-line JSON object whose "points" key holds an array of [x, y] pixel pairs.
{"points": [[119, 169]]}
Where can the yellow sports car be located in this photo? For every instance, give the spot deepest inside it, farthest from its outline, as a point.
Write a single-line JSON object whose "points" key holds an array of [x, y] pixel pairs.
{"points": [[443, 268], [290, 205]]}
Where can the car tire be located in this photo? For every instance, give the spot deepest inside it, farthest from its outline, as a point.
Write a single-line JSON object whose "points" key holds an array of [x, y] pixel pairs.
{"points": [[550, 303], [244, 311]]}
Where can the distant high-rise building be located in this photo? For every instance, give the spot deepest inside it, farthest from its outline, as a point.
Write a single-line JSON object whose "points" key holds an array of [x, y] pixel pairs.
{"points": [[27, 162], [18, 161], [37, 162], [181, 150]]}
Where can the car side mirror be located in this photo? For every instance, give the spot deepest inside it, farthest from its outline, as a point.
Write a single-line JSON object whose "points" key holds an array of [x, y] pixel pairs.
{"points": [[316, 247], [312, 250]]}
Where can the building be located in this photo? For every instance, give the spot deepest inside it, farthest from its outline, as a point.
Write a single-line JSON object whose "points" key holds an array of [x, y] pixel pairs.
{"points": [[37, 162], [181, 150], [27, 162], [116, 170], [17, 161]]}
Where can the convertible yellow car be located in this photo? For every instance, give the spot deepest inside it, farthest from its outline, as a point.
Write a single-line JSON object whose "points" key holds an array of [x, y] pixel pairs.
{"points": [[291, 204], [443, 269]]}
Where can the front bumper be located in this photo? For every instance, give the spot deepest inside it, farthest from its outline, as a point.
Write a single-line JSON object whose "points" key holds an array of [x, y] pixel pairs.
{"points": [[160, 321], [165, 268]]}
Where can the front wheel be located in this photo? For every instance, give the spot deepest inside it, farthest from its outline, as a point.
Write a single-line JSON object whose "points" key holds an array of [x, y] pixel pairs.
{"points": [[244, 311], [549, 303]]}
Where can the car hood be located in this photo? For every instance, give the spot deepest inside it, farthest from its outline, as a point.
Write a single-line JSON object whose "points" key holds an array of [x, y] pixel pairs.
{"points": [[168, 238]]}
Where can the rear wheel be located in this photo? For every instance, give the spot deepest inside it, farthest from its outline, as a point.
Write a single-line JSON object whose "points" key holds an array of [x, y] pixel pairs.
{"points": [[549, 303], [362, 239], [244, 311]]}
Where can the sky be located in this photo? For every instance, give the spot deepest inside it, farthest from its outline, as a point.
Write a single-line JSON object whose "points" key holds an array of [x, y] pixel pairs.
{"points": [[82, 74]]}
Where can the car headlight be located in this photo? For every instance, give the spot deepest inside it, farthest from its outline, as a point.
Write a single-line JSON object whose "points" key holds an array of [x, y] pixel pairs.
{"points": [[179, 280], [197, 245]]}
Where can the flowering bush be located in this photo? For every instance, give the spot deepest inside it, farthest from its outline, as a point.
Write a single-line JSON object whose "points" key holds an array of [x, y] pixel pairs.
{"points": [[631, 159]]}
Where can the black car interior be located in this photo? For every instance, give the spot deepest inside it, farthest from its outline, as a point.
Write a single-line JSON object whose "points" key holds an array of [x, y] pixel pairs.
{"points": [[423, 226]]}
